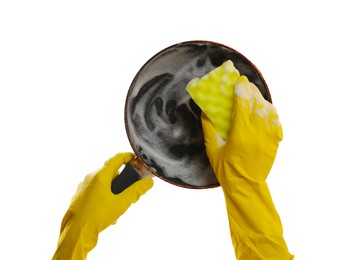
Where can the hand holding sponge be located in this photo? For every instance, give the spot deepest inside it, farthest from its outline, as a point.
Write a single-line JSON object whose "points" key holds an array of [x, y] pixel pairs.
{"points": [[242, 133]]}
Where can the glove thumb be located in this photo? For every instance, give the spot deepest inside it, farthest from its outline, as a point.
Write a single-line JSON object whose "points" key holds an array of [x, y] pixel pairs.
{"points": [[210, 135], [112, 166]]}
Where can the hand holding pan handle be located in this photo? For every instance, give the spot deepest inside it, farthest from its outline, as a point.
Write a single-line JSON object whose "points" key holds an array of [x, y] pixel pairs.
{"points": [[132, 172]]}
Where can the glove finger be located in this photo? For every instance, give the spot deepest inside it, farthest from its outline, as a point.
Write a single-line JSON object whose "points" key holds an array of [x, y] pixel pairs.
{"points": [[209, 135], [247, 98], [136, 190], [275, 124], [111, 167], [240, 121]]}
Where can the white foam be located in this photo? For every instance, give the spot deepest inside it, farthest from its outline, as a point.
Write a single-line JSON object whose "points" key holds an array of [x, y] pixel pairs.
{"points": [[156, 142], [257, 104]]}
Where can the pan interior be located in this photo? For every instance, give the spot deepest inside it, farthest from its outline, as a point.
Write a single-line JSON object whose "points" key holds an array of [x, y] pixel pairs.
{"points": [[162, 121]]}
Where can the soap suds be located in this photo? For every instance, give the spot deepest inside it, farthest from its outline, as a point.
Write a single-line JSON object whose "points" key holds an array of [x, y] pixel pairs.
{"points": [[165, 125], [257, 104], [157, 103]]}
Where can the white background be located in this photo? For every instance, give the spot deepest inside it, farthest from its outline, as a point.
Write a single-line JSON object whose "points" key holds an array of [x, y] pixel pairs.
{"points": [[65, 68]]}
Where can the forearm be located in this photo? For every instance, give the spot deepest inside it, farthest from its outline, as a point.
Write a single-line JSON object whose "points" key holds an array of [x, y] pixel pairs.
{"points": [[74, 244], [255, 225]]}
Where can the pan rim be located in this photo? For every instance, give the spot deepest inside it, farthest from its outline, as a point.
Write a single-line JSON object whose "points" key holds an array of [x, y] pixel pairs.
{"points": [[145, 65]]}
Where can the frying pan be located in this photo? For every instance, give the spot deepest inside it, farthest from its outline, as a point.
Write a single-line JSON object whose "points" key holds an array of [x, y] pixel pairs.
{"points": [[163, 123]]}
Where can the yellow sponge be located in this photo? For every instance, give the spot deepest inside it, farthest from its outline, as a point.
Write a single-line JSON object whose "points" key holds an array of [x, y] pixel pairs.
{"points": [[213, 93]]}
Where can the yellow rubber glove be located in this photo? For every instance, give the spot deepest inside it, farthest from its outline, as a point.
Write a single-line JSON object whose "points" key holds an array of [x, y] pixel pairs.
{"points": [[94, 207], [242, 164]]}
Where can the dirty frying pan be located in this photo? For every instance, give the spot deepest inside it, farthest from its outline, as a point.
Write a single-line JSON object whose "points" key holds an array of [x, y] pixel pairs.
{"points": [[162, 121]]}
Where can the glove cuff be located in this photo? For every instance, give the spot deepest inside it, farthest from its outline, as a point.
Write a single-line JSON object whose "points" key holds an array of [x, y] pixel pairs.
{"points": [[74, 243]]}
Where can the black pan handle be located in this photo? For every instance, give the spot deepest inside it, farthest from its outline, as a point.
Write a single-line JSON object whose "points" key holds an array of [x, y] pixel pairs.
{"points": [[132, 172], [127, 177]]}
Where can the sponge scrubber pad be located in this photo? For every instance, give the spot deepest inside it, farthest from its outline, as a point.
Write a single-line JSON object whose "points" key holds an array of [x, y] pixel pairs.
{"points": [[214, 92]]}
